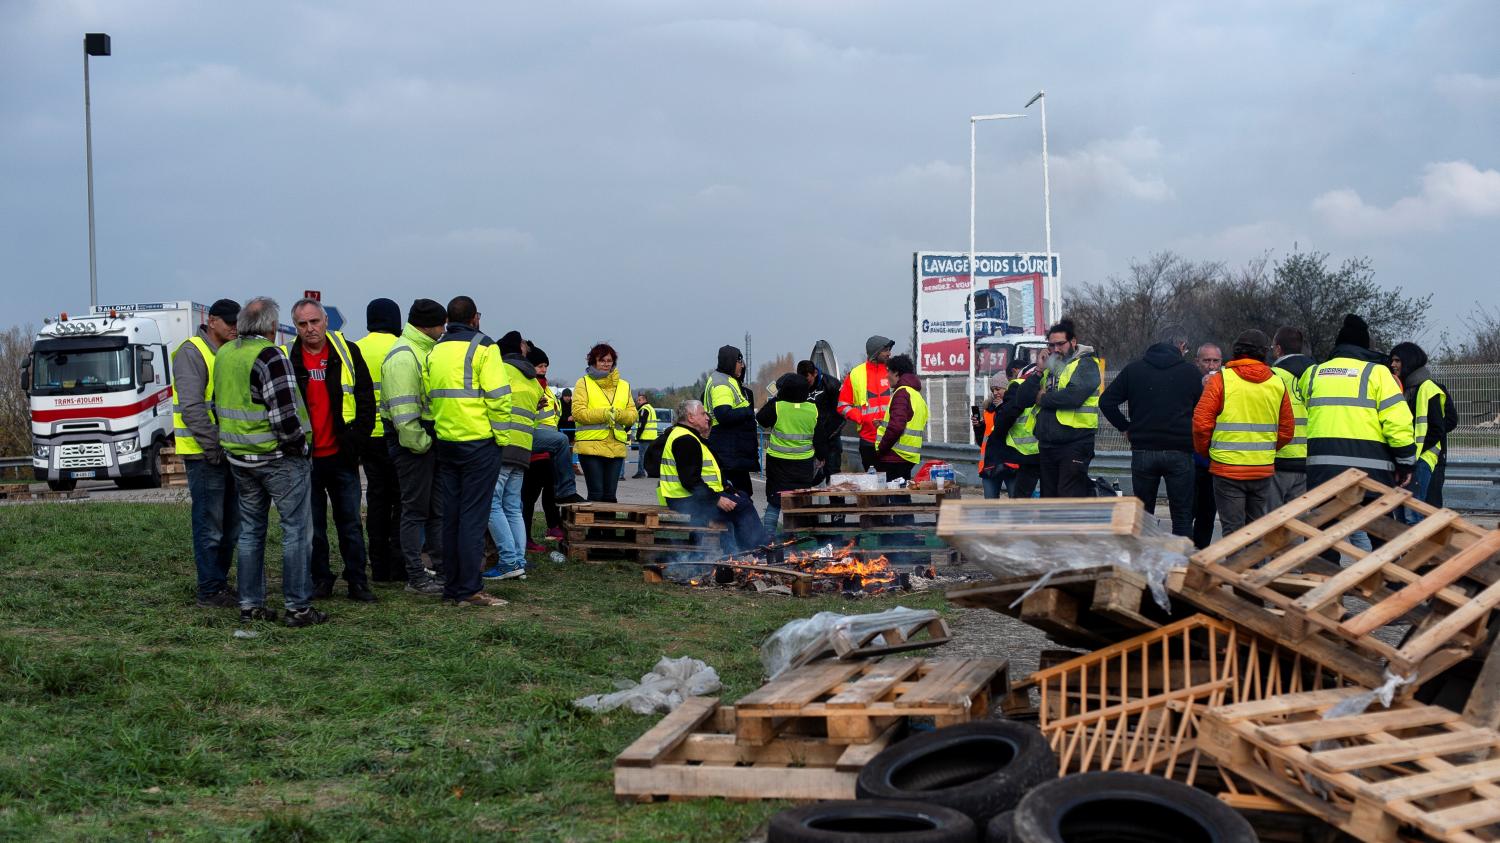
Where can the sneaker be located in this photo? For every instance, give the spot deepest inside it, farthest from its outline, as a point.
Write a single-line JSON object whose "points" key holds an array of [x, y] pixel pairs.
{"points": [[224, 599], [493, 573], [500, 572], [304, 617], [555, 534], [361, 594], [480, 599], [257, 613], [427, 586], [535, 547], [572, 499]]}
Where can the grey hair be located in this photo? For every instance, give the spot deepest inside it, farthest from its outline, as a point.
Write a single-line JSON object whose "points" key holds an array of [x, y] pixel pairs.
{"points": [[1212, 345], [313, 302], [260, 317], [687, 407]]}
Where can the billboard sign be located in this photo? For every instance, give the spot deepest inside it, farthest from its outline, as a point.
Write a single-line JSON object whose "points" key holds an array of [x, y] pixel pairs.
{"points": [[1009, 298]]}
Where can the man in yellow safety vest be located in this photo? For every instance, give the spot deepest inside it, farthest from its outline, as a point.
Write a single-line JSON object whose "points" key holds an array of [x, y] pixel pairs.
{"points": [[1068, 414], [646, 431], [866, 393], [1289, 360], [216, 506], [1357, 416], [382, 486]]}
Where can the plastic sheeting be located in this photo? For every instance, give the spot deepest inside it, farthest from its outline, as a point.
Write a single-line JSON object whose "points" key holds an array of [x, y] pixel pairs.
{"points": [[661, 690], [784, 644], [1057, 539]]}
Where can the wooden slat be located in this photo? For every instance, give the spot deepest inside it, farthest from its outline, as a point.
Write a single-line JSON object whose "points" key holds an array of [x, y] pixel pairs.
{"points": [[1440, 577], [937, 679], [1289, 511], [1448, 627], [798, 687], [1285, 704], [1335, 586], [1360, 757], [668, 732], [1437, 781], [874, 684], [1299, 554], [1345, 727], [1462, 817], [972, 677]]}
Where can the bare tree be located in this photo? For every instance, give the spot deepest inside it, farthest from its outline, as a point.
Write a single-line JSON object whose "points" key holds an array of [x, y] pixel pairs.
{"points": [[1158, 297], [1483, 342], [15, 409]]}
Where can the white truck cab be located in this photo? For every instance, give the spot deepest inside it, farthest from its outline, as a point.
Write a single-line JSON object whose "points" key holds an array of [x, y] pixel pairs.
{"points": [[101, 392]]}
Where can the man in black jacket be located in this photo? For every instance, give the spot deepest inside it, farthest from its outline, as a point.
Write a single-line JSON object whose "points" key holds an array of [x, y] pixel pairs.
{"points": [[823, 391], [1432, 407], [686, 453], [1288, 362], [318, 357], [736, 439], [1161, 390]]}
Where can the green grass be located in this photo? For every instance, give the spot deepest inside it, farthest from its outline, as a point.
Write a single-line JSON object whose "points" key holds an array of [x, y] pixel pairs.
{"points": [[126, 713]]}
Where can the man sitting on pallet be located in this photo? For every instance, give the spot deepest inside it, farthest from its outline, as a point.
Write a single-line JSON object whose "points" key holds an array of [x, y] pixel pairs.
{"points": [[692, 483]]}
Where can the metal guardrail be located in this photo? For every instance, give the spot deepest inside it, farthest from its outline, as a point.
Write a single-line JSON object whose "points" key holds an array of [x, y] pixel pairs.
{"points": [[14, 462], [1472, 485]]}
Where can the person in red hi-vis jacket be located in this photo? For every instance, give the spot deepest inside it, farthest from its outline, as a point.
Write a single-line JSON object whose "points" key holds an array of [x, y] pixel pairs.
{"points": [[866, 393]]}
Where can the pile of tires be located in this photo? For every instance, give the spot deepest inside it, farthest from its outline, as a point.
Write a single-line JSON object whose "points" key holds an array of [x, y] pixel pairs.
{"points": [[996, 780]]}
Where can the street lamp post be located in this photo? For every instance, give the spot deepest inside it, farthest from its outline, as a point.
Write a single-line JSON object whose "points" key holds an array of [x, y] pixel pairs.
{"points": [[1055, 313], [974, 121], [94, 44]]}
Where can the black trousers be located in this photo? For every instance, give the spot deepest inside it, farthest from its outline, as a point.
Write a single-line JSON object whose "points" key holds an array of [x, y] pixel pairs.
{"points": [[1065, 469], [421, 512], [739, 479], [866, 455], [1204, 507], [1022, 482], [538, 483], [382, 511], [465, 485], [335, 481]]}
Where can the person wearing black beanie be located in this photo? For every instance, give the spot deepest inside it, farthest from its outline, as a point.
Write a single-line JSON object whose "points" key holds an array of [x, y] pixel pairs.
{"points": [[1357, 416], [382, 487], [1436, 417], [406, 419]]}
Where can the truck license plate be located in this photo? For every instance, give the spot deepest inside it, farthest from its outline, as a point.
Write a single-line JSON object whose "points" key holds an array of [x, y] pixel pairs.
{"points": [[79, 475]]}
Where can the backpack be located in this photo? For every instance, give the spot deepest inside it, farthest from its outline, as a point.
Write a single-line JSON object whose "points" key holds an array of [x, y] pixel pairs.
{"points": [[652, 458]]}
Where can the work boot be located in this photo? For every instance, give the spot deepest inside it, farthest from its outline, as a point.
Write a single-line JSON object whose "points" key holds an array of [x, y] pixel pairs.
{"points": [[361, 593], [296, 618], [257, 613], [427, 586], [322, 590], [572, 499], [222, 599]]}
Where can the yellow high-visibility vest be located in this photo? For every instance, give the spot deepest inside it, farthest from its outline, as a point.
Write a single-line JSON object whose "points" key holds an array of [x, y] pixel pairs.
{"points": [[186, 444], [671, 483], [1297, 448], [1245, 431], [374, 347], [909, 446]]}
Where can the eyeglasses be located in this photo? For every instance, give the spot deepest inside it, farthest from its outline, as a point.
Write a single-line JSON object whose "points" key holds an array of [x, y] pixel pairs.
{"points": [[1057, 344]]}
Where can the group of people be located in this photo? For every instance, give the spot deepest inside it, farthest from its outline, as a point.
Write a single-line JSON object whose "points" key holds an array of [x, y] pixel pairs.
{"points": [[458, 435], [1231, 439]]}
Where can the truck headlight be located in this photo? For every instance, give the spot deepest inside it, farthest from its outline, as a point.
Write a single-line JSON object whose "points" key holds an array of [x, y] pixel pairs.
{"points": [[125, 446], [41, 452]]}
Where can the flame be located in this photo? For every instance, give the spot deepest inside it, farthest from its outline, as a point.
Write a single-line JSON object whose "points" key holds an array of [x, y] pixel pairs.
{"points": [[844, 564]]}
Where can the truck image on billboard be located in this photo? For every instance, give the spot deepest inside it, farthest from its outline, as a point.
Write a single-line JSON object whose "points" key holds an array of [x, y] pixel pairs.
{"points": [[1009, 299]]}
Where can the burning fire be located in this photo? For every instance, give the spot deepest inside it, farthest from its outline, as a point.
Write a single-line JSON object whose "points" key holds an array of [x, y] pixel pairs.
{"points": [[827, 569]]}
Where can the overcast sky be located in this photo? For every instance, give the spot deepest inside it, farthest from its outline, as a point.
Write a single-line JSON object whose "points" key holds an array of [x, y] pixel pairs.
{"points": [[671, 175]]}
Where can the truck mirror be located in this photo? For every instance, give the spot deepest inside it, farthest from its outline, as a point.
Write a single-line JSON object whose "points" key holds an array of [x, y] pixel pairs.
{"points": [[26, 375]]}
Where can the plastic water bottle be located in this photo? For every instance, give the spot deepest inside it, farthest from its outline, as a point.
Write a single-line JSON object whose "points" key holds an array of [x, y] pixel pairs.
{"points": [[557, 557]]}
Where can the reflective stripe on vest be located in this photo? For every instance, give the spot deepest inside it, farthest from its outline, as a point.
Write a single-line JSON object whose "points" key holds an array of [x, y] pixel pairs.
{"points": [[340, 347], [1425, 392], [989, 427], [517, 431], [1245, 431], [1022, 435], [547, 416], [909, 446], [1357, 416], [400, 409], [721, 389], [459, 411], [1297, 448], [1085, 417], [244, 425], [651, 429], [183, 438], [792, 435], [671, 484], [874, 401], [374, 347], [600, 431]]}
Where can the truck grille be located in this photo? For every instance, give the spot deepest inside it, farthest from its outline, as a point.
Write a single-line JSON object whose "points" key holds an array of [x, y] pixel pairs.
{"points": [[81, 455]]}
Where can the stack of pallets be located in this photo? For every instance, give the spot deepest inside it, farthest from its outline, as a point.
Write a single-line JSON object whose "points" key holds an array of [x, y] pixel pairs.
{"points": [[603, 532], [892, 521], [24, 492], [173, 471], [805, 734]]}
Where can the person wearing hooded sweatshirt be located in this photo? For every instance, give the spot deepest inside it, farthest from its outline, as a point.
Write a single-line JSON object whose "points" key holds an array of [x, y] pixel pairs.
{"points": [[382, 487], [1068, 414], [1002, 384], [823, 391], [539, 476], [735, 440], [1161, 390], [866, 394], [513, 433], [1243, 418], [1289, 362], [603, 414], [904, 428], [1357, 416], [406, 416], [793, 451], [1434, 416]]}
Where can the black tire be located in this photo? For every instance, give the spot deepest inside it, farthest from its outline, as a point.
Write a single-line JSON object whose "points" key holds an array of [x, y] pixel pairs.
{"points": [[1125, 808], [979, 768], [151, 458], [67, 484], [871, 821], [998, 831]]}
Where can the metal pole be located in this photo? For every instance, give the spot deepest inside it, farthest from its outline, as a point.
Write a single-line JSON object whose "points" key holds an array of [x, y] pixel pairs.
{"points": [[1052, 270], [88, 143], [972, 273]]}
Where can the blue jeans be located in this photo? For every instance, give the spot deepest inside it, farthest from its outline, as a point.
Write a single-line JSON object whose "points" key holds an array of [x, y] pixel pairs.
{"points": [[602, 476], [507, 527], [1149, 468], [547, 439], [287, 482], [216, 522], [465, 487], [995, 483], [640, 458], [1421, 485], [745, 527], [336, 481]]}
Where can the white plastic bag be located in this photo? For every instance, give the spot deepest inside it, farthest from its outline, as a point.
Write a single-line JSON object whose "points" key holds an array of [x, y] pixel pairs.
{"points": [[661, 690], [783, 645]]}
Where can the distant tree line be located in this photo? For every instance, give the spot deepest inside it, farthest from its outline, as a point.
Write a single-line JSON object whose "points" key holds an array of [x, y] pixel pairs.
{"points": [[1167, 297]]}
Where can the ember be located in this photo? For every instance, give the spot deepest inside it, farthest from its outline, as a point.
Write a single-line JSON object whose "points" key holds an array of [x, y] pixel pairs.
{"points": [[825, 570]]}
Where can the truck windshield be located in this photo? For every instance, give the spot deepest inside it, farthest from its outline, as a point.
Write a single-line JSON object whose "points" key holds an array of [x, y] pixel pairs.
{"points": [[73, 372]]}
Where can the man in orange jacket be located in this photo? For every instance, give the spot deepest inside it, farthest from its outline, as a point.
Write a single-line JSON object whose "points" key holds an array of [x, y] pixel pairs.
{"points": [[866, 393], [1242, 420]]}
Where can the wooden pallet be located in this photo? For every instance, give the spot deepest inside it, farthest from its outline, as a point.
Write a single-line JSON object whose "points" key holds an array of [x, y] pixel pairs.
{"points": [[1136, 706], [600, 532], [1086, 608], [812, 510], [24, 492], [855, 702], [844, 646], [1438, 576], [692, 753], [1377, 775]]}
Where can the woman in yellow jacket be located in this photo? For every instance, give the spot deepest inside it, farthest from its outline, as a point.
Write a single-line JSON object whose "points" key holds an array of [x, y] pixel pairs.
{"points": [[603, 414]]}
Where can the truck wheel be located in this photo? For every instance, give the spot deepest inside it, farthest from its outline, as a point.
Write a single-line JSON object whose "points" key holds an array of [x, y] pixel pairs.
{"points": [[151, 479], [64, 485]]}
